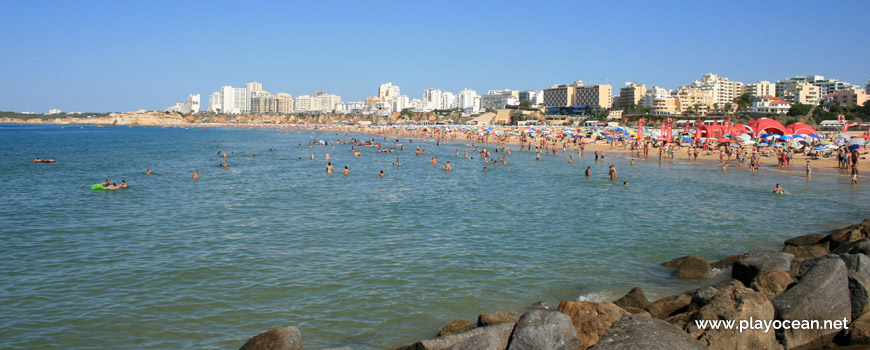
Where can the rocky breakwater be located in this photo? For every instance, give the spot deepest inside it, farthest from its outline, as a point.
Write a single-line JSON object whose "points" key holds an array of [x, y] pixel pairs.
{"points": [[814, 294]]}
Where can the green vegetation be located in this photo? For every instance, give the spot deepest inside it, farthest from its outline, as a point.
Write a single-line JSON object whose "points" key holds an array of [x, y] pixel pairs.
{"points": [[860, 113], [407, 113], [743, 102], [799, 110], [49, 116]]}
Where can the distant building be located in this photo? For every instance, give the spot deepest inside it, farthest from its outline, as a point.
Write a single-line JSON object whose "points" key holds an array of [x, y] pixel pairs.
{"points": [[372, 102], [262, 102], [214, 102], [250, 90], [867, 87], [387, 91], [327, 102], [306, 103], [630, 95], [535, 96], [770, 105], [233, 100], [351, 108], [468, 101], [561, 95], [448, 100], [722, 91], [283, 103], [496, 99], [189, 106], [854, 97], [825, 86], [799, 92], [54, 111], [431, 99], [401, 102], [695, 100], [595, 96], [761, 89]]}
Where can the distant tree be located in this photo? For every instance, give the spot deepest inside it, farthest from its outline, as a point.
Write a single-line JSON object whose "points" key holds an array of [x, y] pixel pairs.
{"points": [[525, 104], [743, 101], [407, 113], [799, 109]]}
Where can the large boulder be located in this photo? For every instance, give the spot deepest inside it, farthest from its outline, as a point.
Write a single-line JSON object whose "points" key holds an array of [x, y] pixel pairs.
{"points": [[456, 327], [822, 294], [488, 319], [689, 267], [805, 240], [541, 329], [667, 306], [643, 333], [859, 293], [498, 333], [771, 282], [282, 338], [734, 303], [635, 298], [808, 251], [747, 268], [860, 246], [859, 331], [591, 320], [844, 236], [859, 263], [727, 262]]}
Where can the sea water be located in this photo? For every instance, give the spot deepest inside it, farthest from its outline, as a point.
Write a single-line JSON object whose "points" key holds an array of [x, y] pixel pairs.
{"points": [[356, 260]]}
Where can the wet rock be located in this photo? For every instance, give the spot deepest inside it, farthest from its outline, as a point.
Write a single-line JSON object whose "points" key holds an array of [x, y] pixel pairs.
{"points": [[843, 236], [727, 262], [591, 320], [690, 267], [747, 268], [810, 251], [483, 335], [635, 298], [282, 338], [456, 327], [860, 246], [643, 333], [859, 293], [822, 294], [734, 303], [805, 240], [771, 282], [667, 306], [540, 329], [488, 319]]}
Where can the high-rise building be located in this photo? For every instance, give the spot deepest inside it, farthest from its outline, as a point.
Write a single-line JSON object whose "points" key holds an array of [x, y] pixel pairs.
{"points": [[867, 87], [595, 96], [372, 102], [534, 96], [496, 99], [694, 99], [561, 95], [826, 86], [660, 101], [250, 89], [401, 102], [327, 102], [283, 103], [387, 91], [722, 90], [798, 92], [233, 100], [468, 100], [760, 89], [431, 99], [306, 103], [214, 102], [448, 100], [630, 95], [853, 97], [261, 102]]}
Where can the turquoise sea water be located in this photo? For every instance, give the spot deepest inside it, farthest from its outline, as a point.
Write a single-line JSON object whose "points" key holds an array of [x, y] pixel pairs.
{"points": [[353, 260]]}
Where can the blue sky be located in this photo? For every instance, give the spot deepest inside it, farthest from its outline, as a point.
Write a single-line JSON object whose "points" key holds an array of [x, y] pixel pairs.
{"points": [[99, 56]]}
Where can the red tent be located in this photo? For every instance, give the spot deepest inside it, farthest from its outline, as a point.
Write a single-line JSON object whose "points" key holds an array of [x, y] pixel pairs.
{"points": [[799, 128], [767, 126]]}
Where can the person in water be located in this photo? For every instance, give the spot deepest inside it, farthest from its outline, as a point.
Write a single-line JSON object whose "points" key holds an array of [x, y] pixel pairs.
{"points": [[345, 171], [381, 174], [224, 164], [329, 168], [106, 184], [778, 189], [148, 172], [625, 184], [123, 183], [112, 187], [447, 166], [196, 174], [588, 171]]}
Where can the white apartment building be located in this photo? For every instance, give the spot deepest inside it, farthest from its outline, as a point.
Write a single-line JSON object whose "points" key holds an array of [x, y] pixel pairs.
{"points": [[760, 89], [826, 86], [723, 91], [306, 103], [350, 107], [214, 102], [448, 100], [495, 99], [770, 105], [327, 102], [54, 111], [250, 89], [233, 100], [799, 92], [468, 99], [431, 100], [387, 91], [535, 96], [401, 102]]}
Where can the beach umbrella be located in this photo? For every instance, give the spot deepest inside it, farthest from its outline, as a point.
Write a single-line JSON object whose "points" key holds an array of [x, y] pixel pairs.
{"points": [[749, 142], [855, 147], [814, 136], [785, 137], [763, 135], [806, 144], [687, 139]]}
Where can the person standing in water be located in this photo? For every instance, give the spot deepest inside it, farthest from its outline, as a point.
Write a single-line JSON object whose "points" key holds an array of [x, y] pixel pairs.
{"points": [[447, 166], [345, 171], [148, 172], [196, 174], [588, 171]]}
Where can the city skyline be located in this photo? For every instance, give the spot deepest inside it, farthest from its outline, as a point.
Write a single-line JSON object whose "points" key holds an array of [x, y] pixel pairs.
{"points": [[128, 56]]}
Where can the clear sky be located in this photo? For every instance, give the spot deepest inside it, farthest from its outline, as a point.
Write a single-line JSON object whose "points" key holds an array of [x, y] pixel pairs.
{"points": [[100, 56]]}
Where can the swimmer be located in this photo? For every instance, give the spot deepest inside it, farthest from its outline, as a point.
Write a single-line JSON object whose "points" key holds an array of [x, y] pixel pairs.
{"points": [[381, 174], [447, 166], [112, 187], [434, 160], [106, 183], [327, 157], [148, 172], [345, 171], [484, 168], [625, 184], [123, 183], [196, 174], [778, 189], [632, 162], [329, 168], [312, 156], [224, 164], [570, 159], [588, 171]]}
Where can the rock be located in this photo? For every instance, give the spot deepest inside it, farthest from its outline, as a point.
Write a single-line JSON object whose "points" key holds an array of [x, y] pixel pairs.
{"points": [[727, 262], [809, 251], [843, 236], [747, 268], [703, 295], [540, 305], [805, 240], [636, 311], [635, 298], [483, 335], [591, 320], [488, 319], [667, 306], [541, 329], [822, 294], [734, 303], [690, 267], [860, 246], [456, 327], [771, 282], [859, 293], [810, 263], [859, 263], [859, 331], [643, 333], [282, 338]]}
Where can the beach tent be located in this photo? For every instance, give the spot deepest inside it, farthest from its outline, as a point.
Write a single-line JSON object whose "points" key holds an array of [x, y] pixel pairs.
{"points": [[800, 128], [768, 126]]}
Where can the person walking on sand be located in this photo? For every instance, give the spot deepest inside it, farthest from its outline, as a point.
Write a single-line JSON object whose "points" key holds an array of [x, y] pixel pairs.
{"points": [[196, 174]]}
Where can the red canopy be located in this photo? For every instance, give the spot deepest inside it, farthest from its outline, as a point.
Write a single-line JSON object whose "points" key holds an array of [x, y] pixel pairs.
{"points": [[799, 128], [767, 126]]}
